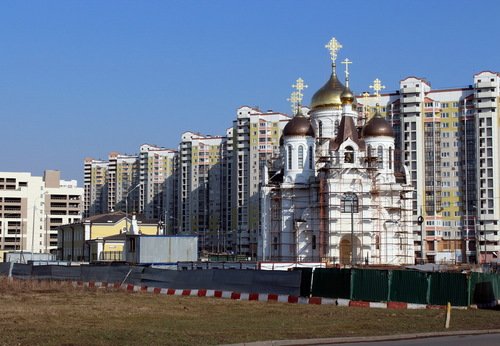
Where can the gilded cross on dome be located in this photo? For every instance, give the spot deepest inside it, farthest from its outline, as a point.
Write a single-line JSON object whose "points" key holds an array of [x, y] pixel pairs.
{"points": [[299, 86], [333, 46], [377, 86], [346, 62], [294, 100]]}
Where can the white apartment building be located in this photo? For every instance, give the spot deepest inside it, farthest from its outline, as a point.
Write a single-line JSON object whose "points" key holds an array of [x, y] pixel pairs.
{"points": [[31, 209]]}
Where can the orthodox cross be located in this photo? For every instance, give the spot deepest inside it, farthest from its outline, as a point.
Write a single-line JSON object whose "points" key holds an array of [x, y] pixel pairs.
{"points": [[365, 103], [294, 99], [377, 86], [346, 62], [299, 86], [333, 46]]}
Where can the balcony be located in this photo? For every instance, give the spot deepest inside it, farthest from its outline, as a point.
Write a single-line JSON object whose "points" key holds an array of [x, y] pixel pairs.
{"points": [[486, 93], [484, 85], [410, 90], [411, 99], [485, 104], [411, 109]]}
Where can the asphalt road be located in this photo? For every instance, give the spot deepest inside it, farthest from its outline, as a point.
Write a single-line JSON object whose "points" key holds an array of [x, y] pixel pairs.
{"points": [[455, 340]]}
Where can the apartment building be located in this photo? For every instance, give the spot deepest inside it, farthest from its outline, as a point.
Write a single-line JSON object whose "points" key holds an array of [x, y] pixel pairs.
{"points": [[123, 176], [158, 183], [448, 141], [95, 186], [255, 143], [32, 208], [199, 196]]}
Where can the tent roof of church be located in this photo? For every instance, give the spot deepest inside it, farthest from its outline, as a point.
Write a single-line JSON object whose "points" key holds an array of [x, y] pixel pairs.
{"points": [[347, 130]]}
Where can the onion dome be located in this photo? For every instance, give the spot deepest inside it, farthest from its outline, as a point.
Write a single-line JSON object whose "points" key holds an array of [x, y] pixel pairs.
{"points": [[329, 94], [347, 97], [377, 127], [298, 126]]}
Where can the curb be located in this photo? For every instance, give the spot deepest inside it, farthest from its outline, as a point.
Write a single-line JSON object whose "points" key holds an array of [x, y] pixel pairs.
{"points": [[261, 297]]}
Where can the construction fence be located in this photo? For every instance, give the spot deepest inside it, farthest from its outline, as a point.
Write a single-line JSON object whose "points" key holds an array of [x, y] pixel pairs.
{"points": [[430, 288], [374, 285], [237, 280]]}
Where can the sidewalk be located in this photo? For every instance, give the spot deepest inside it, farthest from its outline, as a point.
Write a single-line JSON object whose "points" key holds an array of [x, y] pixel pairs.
{"points": [[344, 340]]}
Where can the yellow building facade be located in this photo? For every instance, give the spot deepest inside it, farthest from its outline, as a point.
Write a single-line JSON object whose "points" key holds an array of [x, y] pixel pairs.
{"points": [[98, 237]]}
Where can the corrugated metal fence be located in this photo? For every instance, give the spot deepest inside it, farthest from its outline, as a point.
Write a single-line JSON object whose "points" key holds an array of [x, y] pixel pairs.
{"points": [[406, 286]]}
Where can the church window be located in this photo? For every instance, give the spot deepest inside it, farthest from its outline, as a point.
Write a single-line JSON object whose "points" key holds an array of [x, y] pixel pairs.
{"points": [[390, 158], [349, 155], [310, 157], [377, 242], [336, 127], [320, 129], [301, 157], [380, 157], [369, 150], [313, 241], [289, 157]]}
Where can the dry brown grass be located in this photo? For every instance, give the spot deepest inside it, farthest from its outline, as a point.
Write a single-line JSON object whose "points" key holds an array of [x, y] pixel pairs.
{"points": [[51, 313]]}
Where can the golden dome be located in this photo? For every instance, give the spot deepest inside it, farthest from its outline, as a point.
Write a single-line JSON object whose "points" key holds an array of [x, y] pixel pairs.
{"points": [[329, 94], [347, 97]]}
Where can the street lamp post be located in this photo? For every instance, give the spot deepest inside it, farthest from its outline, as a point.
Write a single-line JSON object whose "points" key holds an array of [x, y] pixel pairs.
{"points": [[126, 206], [350, 205], [420, 222]]}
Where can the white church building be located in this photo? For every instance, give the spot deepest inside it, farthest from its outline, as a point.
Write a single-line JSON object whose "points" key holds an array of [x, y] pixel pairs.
{"points": [[335, 195]]}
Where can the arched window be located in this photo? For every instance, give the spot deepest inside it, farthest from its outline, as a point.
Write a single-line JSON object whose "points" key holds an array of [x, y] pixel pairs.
{"points": [[311, 159], [289, 157], [301, 157], [349, 155], [336, 127], [390, 158], [369, 151], [320, 129], [380, 157]]}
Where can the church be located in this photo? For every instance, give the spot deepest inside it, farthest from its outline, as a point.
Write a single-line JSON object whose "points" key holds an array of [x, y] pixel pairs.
{"points": [[336, 193]]}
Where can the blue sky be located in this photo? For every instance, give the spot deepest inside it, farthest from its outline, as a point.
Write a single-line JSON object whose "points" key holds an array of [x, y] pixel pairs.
{"points": [[84, 78]]}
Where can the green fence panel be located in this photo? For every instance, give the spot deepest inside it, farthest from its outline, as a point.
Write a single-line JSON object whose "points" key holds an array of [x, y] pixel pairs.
{"points": [[331, 283], [485, 289], [370, 285], [448, 287], [408, 286]]}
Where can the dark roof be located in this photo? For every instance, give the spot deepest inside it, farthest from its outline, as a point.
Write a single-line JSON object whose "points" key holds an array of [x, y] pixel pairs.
{"points": [[116, 216], [377, 126], [347, 129], [299, 126]]}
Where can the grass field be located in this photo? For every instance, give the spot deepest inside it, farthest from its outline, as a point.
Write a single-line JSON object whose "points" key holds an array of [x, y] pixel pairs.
{"points": [[43, 313]]}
